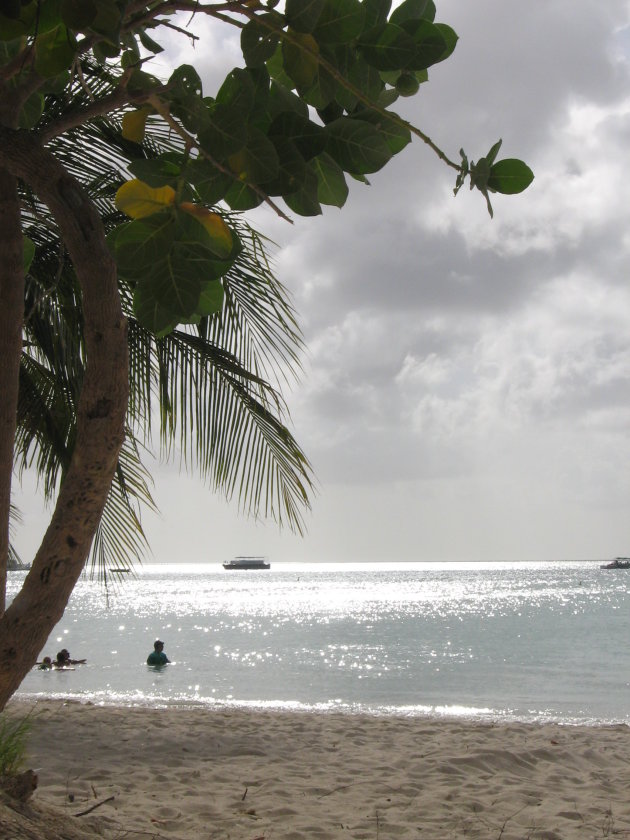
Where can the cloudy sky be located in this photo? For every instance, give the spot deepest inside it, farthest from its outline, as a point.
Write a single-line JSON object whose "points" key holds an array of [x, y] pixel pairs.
{"points": [[466, 392]]}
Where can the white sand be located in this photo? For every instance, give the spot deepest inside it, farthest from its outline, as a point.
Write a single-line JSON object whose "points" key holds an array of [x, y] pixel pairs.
{"points": [[239, 775]]}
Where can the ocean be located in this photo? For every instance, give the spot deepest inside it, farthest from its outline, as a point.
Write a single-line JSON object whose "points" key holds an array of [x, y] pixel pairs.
{"points": [[536, 642]]}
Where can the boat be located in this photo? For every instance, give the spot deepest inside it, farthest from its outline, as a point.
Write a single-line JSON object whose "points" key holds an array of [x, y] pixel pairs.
{"points": [[247, 563], [617, 563]]}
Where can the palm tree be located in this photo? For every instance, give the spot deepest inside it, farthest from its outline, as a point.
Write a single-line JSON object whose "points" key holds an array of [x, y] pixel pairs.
{"points": [[211, 391]]}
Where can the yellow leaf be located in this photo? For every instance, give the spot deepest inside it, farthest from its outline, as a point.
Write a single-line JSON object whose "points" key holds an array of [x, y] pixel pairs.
{"points": [[219, 232], [133, 123], [137, 199]]}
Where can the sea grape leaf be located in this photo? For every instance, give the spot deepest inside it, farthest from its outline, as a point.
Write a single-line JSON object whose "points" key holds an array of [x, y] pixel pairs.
{"points": [[54, 51], [157, 172], [304, 201], [31, 111], [309, 137], [219, 234], [137, 199], [291, 168], [133, 124], [509, 176], [242, 197], [257, 161], [387, 47], [258, 42], [430, 44], [78, 14], [142, 243], [322, 91], [331, 184], [299, 57], [303, 15], [210, 183], [414, 10], [357, 146], [225, 132], [376, 12], [395, 135], [340, 22], [450, 37], [211, 298]]}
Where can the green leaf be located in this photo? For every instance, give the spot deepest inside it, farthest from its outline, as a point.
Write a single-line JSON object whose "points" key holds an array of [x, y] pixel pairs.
{"points": [[140, 243], [322, 91], [133, 124], [225, 132], [257, 161], [281, 99], [211, 298], [304, 201], [54, 51], [331, 184], [494, 151], [258, 42], [376, 12], [364, 77], [78, 14], [395, 135], [31, 111], [276, 69], [168, 293], [414, 10], [387, 47], [430, 43], [303, 15], [357, 146], [107, 21], [510, 176], [148, 43], [291, 168], [242, 197], [450, 37], [211, 184], [158, 172], [309, 137], [340, 21], [237, 92], [299, 58], [12, 27]]}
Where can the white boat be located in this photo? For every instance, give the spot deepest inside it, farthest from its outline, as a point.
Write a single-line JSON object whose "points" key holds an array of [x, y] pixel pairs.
{"points": [[247, 563], [617, 563]]}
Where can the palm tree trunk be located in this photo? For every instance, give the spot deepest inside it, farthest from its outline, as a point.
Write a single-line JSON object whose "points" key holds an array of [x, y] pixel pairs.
{"points": [[28, 621], [11, 319]]}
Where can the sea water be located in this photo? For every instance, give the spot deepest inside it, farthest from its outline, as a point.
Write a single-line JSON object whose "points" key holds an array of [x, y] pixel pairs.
{"points": [[512, 641]]}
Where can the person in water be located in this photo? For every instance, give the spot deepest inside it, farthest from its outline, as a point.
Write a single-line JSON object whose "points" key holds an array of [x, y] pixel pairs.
{"points": [[45, 664], [63, 659], [157, 655]]}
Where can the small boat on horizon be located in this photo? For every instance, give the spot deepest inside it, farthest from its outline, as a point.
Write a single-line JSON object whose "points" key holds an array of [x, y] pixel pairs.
{"points": [[250, 562], [617, 563]]}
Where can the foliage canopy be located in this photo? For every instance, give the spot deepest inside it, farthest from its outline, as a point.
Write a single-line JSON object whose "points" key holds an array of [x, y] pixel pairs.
{"points": [[311, 106]]}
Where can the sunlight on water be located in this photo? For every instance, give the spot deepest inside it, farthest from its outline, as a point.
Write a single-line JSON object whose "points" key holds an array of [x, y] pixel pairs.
{"points": [[531, 641]]}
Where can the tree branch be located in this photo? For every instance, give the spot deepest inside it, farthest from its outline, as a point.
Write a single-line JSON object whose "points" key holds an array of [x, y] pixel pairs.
{"points": [[112, 102]]}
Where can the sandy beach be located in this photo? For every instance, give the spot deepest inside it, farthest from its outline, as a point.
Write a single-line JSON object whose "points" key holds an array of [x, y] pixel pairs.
{"points": [[196, 774]]}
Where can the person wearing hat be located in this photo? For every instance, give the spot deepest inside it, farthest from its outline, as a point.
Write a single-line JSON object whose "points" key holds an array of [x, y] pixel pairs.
{"points": [[157, 655]]}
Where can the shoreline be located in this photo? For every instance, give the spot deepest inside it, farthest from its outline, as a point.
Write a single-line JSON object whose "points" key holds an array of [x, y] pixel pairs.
{"points": [[437, 713], [197, 773]]}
